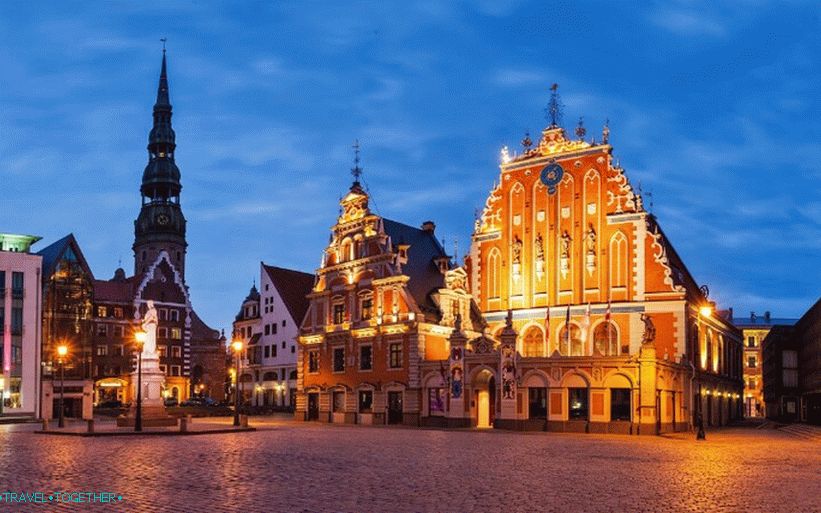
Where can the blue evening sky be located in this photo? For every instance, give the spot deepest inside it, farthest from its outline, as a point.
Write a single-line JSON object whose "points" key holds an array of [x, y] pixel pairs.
{"points": [[713, 107]]}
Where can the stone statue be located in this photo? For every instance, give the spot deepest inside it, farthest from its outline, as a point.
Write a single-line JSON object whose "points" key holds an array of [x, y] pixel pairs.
{"points": [[590, 239], [649, 330], [149, 326], [539, 248], [509, 319], [517, 250], [457, 323], [566, 244]]}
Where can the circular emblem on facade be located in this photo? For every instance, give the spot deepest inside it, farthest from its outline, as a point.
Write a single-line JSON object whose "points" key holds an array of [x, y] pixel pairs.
{"points": [[162, 219], [551, 175]]}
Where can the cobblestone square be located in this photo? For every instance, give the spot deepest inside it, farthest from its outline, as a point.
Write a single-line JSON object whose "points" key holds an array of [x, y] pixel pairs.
{"points": [[289, 466]]}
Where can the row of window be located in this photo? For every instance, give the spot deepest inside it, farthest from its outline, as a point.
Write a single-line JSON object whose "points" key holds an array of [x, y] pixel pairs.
{"points": [[168, 370], [119, 331], [17, 284], [365, 358], [365, 310], [117, 350]]}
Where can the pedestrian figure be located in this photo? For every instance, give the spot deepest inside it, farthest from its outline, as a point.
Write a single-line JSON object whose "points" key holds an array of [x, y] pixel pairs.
{"points": [[700, 424]]}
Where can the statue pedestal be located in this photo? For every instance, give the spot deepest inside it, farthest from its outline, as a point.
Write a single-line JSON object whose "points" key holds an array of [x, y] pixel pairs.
{"points": [[153, 407]]}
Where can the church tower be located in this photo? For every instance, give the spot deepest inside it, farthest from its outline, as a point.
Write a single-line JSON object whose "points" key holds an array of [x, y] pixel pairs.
{"points": [[161, 224]]}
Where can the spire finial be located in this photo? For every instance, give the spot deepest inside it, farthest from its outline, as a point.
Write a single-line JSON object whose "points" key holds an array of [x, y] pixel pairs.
{"points": [[605, 133], [527, 142], [163, 39], [554, 108], [356, 171], [580, 129]]}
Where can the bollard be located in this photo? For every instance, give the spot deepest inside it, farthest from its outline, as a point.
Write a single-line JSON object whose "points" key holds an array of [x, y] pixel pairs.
{"points": [[90, 425], [190, 419], [45, 424], [243, 421], [184, 424]]}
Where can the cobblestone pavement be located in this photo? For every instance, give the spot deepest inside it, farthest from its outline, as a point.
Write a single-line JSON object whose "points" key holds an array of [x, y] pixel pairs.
{"points": [[288, 466]]}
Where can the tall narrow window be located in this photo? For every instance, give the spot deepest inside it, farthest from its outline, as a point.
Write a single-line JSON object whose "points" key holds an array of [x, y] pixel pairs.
{"points": [[366, 357], [367, 308], [339, 313], [577, 399], [339, 359], [395, 360], [533, 342], [620, 404]]}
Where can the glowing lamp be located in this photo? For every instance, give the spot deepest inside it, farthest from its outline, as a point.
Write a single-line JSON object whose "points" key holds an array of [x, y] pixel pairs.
{"points": [[140, 337], [236, 345], [705, 311], [62, 350]]}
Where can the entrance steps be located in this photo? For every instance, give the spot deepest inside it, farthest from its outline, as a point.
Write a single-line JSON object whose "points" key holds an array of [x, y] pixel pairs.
{"points": [[804, 431]]}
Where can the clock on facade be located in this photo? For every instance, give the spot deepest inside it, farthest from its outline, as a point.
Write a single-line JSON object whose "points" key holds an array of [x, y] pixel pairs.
{"points": [[162, 219], [551, 175]]}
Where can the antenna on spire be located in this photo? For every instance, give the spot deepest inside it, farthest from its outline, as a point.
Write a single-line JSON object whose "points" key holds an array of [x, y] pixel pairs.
{"points": [[356, 171], [456, 250], [605, 133], [554, 108], [163, 39]]}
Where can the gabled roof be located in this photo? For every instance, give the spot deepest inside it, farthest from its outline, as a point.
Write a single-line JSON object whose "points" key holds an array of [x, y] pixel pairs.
{"points": [[53, 252], [421, 267], [293, 287]]}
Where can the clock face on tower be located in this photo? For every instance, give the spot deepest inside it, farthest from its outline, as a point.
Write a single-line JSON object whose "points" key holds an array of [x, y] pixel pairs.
{"points": [[162, 219], [551, 175]]}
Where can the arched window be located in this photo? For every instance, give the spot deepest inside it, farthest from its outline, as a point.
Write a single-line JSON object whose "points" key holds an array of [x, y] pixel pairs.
{"points": [[533, 342], [618, 260], [571, 345], [606, 339], [493, 288]]}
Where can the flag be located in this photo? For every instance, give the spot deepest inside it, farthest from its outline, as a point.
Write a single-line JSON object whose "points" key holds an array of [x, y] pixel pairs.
{"points": [[607, 312], [547, 331], [586, 329], [567, 333]]}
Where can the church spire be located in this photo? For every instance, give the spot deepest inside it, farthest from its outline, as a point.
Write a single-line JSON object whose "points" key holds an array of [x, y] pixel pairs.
{"points": [[160, 224], [162, 89]]}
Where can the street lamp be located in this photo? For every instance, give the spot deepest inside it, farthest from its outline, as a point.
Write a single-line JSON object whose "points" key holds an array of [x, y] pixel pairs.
{"points": [[703, 311], [62, 351], [236, 345], [139, 337]]}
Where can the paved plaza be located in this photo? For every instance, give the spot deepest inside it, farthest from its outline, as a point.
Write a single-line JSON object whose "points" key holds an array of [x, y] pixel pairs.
{"points": [[288, 466]]}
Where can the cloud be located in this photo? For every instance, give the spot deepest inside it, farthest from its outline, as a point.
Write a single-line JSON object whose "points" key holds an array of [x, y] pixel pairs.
{"points": [[688, 22]]}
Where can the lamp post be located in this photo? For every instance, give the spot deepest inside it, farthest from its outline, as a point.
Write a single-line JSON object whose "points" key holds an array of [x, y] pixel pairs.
{"points": [[62, 351], [139, 337], [236, 345], [703, 311]]}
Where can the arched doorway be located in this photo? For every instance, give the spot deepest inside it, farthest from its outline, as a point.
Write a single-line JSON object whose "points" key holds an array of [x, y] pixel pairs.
{"points": [[484, 397]]}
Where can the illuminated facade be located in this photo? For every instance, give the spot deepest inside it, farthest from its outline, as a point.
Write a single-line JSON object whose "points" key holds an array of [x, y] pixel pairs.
{"points": [[754, 330], [20, 335], [68, 300], [268, 325], [191, 354], [385, 301], [605, 328]]}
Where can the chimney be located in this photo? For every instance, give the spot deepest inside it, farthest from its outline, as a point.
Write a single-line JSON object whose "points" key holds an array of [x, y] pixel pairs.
{"points": [[752, 316], [767, 316], [731, 314], [429, 226]]}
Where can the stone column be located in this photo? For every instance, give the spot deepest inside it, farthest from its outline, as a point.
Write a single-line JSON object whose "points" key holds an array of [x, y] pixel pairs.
{"points": [[508, 388], [456, 377], [647, 392]]}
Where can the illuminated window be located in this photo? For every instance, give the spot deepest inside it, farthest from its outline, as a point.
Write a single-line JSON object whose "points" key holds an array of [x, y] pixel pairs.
{"points": [[606, 339], [365, 401], [339, 313], [313, 361], [571, 344], [102, 311], [395, 358], [338, 402], [176, 351], [533, 342], [102, 350], [176, 333], [577, 403], [367, 309]]}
